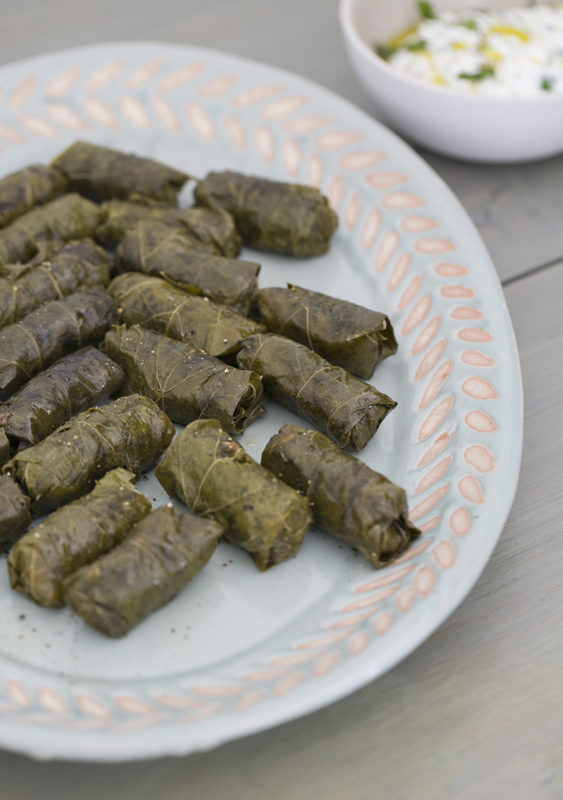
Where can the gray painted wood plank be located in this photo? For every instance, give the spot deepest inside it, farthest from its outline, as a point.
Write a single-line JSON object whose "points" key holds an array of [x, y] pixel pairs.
{"points": [[516, 208], [475, 712]]}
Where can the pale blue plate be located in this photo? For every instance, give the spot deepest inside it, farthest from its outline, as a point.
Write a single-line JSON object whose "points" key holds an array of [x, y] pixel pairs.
{"points": [[241, 651]]}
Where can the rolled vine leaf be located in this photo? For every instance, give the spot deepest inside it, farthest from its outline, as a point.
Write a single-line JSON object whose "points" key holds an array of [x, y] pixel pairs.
{"points": [[75, 535], [346, 334], [68, 217], [78, 265], [214, 230], [130, 432], [340, 405], [214, 476], [155, 248], [70, 385], [184, 382], [28, 187], [161, 554], [51, 331], [4, 448], [102, 173], [154, 303], [284, 217], [14, 512], [348, 499]]}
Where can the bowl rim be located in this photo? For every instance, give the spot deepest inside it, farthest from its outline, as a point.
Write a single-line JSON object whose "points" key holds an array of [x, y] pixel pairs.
{"points": [[349, 29]]}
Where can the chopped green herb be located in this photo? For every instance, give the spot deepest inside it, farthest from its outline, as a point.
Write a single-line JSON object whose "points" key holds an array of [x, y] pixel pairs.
{"points": [[485, 72], [547, 84], [384, 52], [470, 24], [419, 44], [426, 11]]}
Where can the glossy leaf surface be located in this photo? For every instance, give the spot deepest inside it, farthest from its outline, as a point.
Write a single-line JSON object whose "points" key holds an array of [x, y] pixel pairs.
{"points": [[340, 405], [344, 333], [102, 173], [153, 303], [348, 499], [51, 331], [162, 553], [75, 535], [270, 215], [130, 432], [184, 382], [72, 384], [212, 473]]}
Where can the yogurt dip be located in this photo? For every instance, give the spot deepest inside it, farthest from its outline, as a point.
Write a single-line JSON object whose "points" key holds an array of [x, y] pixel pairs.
{"points": [[513, 52]]}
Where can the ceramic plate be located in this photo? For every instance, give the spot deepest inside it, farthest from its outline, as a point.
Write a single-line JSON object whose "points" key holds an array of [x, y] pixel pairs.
{"points": [[241, 651]]}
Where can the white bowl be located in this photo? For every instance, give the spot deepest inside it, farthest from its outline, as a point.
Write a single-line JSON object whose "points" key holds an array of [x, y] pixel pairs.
{"points": [[475, 128]]}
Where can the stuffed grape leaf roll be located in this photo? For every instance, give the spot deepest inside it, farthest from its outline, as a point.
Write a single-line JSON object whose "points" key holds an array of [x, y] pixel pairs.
{"points": [[51, 331], [270, 215], [130, 432], [14, 512], [70, 385], [4, 448], [67, 217], [46, 250], [101, 173], [75, 535], [214, 476], [78, 265], [157, 249], [161, 554], [340, 405], [153, 303], [184, 382], [27, 187], [348, 335], [348, 499], [214, 230]]}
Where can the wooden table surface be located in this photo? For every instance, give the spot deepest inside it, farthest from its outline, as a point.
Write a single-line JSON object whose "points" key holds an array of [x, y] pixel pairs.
{"points": [[477, 711]]}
